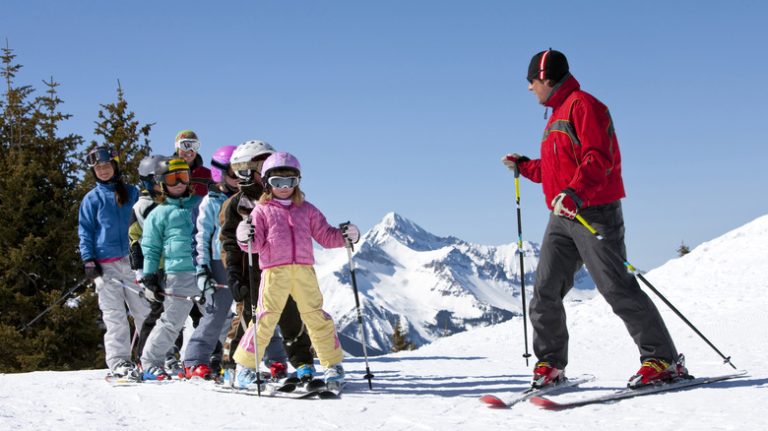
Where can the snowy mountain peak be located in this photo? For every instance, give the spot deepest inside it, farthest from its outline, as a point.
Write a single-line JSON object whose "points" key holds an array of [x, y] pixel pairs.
{"points": [[405, 232], [431, 286]]}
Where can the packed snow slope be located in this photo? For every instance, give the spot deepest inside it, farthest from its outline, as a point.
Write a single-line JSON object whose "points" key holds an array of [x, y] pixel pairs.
{"points": [[720, 286]]}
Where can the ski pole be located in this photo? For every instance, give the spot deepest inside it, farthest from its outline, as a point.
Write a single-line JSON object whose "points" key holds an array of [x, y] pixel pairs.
{"points": [[61, 299], [349, 247], [254, 317], [195, 299], [633, 270], [519, 251]]}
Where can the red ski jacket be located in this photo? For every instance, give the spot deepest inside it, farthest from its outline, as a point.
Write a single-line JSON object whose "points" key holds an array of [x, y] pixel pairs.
{"points": [[579, 149], [201, 179]]}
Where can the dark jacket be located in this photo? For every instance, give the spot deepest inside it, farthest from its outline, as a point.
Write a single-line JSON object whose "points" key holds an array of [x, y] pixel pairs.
{"points": [[233, 211]]}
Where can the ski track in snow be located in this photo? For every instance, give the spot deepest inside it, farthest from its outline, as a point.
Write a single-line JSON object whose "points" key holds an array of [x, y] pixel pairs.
{"points": [[720, 286]]}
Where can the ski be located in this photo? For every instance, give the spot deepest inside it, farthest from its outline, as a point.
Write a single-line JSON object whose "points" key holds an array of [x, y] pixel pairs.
{"points": [[495, 402], [128, 381], [331, 391], [291, 388], [133, 381], [623, 394], [121, 381]]}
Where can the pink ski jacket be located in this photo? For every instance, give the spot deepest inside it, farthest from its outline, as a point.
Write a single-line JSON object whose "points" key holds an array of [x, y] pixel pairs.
{"points": [[283, 234]]}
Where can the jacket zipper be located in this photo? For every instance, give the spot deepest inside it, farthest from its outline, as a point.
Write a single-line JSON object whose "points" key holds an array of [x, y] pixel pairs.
{"points": [[293, 237]]}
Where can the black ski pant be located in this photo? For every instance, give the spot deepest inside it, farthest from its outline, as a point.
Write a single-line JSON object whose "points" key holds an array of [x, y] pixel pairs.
{"points": [[565, 247]]}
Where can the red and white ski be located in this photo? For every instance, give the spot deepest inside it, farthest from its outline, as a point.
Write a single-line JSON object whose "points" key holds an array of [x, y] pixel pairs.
{"points": [[494, 401], [623, 394]]}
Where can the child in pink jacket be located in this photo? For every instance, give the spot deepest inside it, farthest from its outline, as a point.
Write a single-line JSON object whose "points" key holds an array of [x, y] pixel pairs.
{"points": [[280, 230]]}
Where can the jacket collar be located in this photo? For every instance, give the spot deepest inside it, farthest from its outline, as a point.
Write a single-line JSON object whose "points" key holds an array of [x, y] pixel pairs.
{"points": [[179, 202], [275, 203], [562, 90], [108, 186]]}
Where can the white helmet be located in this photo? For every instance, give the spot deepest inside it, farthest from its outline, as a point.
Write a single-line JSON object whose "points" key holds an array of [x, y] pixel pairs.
{"points": [[243, 155], [249, 150]]}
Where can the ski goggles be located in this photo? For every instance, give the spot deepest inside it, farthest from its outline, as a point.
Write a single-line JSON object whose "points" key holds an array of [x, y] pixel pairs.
{"points": [[101, 155], [188, 145], [244, 170], [283, 182], [176, 177]]}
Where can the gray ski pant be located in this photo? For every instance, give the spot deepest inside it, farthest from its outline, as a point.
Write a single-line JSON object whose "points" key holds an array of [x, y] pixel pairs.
{"points": [[215, 316], [565, 247], [113, 289], [170, 323]]}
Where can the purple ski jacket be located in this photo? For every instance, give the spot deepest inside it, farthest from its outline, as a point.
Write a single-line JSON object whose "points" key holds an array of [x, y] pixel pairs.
{"points": [[283, 234]]}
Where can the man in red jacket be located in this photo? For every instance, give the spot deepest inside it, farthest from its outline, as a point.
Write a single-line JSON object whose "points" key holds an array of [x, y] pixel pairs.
{"points": [[580, 172]]}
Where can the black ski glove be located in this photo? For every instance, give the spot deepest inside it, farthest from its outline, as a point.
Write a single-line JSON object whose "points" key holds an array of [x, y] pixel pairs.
{"points": [[92, 270], [236, 286], [207, 285], [136, 256], [152, 289]]}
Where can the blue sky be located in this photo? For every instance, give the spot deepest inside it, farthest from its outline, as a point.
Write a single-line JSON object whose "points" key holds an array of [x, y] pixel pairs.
{"points": [[407, 106]]}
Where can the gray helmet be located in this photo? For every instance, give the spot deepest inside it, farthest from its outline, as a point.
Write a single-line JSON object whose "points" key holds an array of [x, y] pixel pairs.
{"points": [[149, 164], [148, 168]]}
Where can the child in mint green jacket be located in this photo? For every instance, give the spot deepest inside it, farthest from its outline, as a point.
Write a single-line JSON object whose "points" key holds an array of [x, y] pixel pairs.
{"points": [[168, 233]]}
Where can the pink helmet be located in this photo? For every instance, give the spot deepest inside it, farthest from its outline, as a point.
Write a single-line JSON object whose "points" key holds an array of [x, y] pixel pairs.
{"points": [[280, 160], [220, 162]]}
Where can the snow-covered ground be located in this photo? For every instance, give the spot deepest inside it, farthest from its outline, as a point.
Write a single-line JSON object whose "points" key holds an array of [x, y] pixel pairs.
{"points": [[721, 287]]}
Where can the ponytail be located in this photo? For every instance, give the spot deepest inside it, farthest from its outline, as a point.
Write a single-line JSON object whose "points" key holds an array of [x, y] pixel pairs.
{"points": [[121, 191]]}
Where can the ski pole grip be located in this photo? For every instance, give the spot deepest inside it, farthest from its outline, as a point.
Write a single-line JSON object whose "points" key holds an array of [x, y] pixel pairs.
{"points": [[343, 227]]}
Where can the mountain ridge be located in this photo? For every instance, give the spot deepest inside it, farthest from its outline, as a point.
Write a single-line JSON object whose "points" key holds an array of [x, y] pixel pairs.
{"points": [[435, 286]]}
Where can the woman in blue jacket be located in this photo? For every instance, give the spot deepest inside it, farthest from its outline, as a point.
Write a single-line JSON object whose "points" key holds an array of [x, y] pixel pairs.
{"points": [[103, 221]]}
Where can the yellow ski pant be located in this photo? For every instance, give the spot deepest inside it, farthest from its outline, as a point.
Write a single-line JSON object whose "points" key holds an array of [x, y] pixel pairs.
{"points": [[299, 281]]}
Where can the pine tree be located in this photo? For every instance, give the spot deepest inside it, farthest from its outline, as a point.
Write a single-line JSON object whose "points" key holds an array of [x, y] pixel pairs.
{"points": [[119, 129], [39, 199], [399, 340], [683, 249]]}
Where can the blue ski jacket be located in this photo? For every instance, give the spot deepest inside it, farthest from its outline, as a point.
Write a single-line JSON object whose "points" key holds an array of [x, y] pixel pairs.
{"points": [[208, 227], [103, 224]]}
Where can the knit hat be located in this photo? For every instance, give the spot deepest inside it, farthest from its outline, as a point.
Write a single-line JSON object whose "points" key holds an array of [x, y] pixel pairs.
{"points": [[549, 64], [187, 140], [170, 165], [177, 165]]}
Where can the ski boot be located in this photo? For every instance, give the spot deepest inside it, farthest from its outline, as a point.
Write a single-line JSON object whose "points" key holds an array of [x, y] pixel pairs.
{"points": [[201, 371], [156, 373], [305, 372], [173, 367], [334, 374], [278, 371], [245, 378], [216, 368], [545, 374], [657, 371], [125, 370]]}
